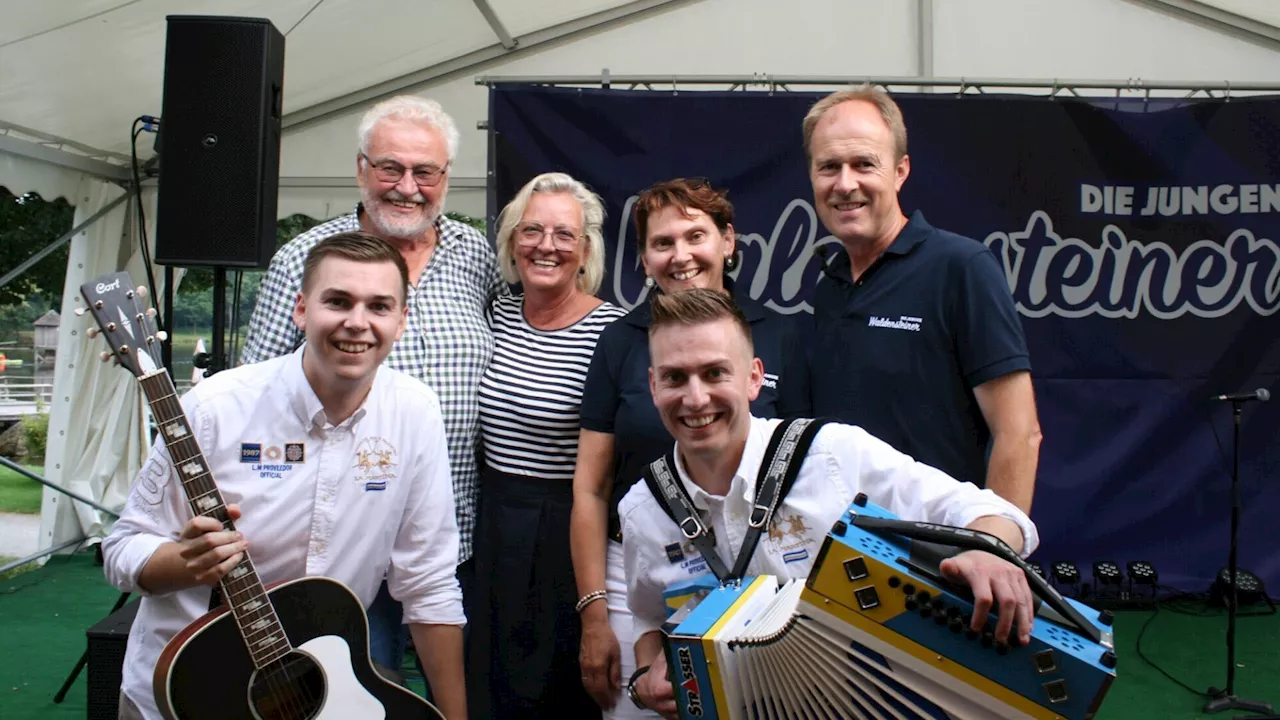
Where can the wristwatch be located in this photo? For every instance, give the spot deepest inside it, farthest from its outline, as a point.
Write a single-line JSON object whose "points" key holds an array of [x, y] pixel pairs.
{"points": [[631, 687]]}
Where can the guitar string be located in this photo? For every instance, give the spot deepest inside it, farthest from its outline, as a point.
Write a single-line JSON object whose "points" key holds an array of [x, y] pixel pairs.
{"points": [[276, 678]]}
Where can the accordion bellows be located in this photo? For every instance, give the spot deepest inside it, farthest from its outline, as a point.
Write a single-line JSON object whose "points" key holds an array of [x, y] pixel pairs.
{"points": [[873, 635]]}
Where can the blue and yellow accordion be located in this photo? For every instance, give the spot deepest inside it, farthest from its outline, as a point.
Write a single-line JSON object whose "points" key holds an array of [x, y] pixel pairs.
{"points": [[875, 632]]}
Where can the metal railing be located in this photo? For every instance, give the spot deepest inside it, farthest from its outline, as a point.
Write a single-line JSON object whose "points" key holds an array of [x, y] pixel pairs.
{"points": [[25, 392]]}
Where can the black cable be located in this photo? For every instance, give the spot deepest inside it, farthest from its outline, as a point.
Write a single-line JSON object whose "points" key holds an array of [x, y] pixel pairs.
{"points": [[1222, 452], [1157, 668], [142, 217]]}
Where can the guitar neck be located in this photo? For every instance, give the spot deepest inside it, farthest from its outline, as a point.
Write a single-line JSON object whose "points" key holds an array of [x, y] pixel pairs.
{"points": [[241, 587]]}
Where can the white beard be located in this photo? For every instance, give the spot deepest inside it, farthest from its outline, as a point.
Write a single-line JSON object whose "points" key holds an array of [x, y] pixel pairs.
{"points": [[390, 225]]}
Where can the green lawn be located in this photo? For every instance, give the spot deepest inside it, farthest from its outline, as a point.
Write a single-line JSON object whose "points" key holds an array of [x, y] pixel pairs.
{"points": [[19, 493]]}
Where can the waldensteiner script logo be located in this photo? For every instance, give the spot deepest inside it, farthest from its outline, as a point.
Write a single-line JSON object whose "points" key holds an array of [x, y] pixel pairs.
{"points": [[1048, 274], [1122, 278]]}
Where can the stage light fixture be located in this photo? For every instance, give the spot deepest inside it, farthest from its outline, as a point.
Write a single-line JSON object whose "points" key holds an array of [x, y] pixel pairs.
{"points": [[1066, 573], [1106, 572], [1250, 589], [1142, 572]]}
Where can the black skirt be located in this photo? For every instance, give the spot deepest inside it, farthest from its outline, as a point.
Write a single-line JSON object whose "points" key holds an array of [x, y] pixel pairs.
{"points": [[524, 635]]}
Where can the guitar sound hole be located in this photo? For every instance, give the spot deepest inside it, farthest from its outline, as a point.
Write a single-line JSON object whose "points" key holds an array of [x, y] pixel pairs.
{"points": [[291, 688]]}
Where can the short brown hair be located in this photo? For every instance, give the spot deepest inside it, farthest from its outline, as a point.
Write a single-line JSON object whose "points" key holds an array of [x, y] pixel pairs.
{"points": [[359, 246], [888, 109], [695, 307], [686, 194]]}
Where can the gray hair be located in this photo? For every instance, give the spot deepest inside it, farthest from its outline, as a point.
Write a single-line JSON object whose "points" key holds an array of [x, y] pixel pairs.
{"points": [[889, 111], [592, 227], [415, 109]]}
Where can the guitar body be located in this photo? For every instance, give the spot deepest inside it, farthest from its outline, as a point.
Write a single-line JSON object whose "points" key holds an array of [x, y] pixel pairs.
{"points": [[328, 674]]}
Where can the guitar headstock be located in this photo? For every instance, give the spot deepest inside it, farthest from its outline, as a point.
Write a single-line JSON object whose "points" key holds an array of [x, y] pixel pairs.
{"points": [[127, 326]]}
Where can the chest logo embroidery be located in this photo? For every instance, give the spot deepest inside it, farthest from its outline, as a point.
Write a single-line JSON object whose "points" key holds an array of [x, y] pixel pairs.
{"points": [[904, 322], [788, 535], [375, 463]]}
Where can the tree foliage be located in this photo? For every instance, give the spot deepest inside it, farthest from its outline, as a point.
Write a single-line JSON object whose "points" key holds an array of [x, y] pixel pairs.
{"points": [[27, 224]]}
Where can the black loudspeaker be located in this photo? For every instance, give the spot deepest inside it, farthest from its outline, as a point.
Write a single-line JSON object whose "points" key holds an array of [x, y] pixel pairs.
{"points": [[107, 643], [219, 142]]}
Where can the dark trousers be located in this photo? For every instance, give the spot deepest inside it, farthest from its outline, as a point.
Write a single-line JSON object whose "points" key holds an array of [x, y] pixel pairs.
{"points": [[522, 652]]}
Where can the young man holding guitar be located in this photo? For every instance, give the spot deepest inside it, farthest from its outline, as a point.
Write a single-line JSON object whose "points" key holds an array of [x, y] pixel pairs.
{"points": [[327, 465]]}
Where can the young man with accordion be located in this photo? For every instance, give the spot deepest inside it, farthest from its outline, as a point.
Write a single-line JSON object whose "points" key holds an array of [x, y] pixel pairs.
{"points": [[703, 507]]}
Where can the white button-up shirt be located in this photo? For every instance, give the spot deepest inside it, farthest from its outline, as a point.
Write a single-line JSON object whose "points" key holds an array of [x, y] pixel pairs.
{"points": [[843, 461], [352, 502]]}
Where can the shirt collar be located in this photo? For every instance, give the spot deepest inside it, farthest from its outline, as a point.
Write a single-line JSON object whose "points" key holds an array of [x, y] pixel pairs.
{"points": [[305, 403], [443, 236], [744, 478], [916, 231]]}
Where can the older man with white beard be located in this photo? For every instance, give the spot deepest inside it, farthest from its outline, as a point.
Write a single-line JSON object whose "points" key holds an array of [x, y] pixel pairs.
{"points": [[407, 145]]}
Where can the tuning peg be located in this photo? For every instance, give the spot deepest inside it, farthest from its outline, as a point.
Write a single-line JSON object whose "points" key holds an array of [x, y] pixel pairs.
{"points": [[92, 332], [142, 291], [151, 312], [162, 335], [80, 312], [105, 356]]}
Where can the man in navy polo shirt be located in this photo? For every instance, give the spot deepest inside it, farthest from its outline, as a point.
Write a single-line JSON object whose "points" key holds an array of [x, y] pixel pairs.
{"points": [[918, 340]]}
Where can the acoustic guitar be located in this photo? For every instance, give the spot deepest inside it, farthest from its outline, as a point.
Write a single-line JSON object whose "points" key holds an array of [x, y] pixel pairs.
{"points": [[296, 650]]}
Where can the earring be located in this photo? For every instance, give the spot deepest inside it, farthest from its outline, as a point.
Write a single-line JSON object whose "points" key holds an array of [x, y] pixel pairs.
{"points": [[582, 271], [730, 261], [649, 282]]}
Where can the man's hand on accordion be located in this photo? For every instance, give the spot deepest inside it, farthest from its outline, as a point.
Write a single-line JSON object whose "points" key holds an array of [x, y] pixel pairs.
{"points": [[995, 583], [654, 686]]}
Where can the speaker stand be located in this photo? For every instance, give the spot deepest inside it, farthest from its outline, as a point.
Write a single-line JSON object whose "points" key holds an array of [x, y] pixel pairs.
{"points": [[218, 352]]}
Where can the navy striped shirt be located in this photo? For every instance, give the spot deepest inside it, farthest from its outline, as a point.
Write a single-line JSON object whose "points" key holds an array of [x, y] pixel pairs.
{"points": [[531, 393]]}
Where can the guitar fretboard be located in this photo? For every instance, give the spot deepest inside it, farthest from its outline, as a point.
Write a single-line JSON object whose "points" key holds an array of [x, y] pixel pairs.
{"points": [[241, 587]]}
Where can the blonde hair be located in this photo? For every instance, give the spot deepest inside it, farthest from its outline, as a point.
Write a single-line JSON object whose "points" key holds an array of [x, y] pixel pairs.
{"points": [[414, 109], [883, 103], [695, 307], [592, 227]]}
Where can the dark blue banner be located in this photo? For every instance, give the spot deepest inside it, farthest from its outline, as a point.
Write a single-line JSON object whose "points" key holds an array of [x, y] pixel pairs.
{"points": [[1140, 245]]}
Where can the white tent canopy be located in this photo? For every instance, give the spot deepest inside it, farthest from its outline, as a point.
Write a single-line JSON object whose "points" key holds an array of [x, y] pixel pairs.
{"points": [[75, 75]]}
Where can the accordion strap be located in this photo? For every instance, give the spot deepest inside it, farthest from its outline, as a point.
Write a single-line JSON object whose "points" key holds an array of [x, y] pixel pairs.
{"points": [[785, 454]]}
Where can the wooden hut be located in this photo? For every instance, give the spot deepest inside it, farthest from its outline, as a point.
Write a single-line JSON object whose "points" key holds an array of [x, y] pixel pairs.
{"points": [[46, 340]]}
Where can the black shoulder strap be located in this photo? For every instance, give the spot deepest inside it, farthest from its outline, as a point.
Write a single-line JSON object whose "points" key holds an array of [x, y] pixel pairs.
{"points": [[665, 485], [782, 461], [778, 472]]}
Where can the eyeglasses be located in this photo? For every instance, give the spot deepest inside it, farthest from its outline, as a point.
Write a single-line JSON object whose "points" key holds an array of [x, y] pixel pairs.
{"points": [[391, 172], [531, 234]]}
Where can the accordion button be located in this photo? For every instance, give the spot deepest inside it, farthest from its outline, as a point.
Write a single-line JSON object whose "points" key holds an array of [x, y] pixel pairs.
{"points": [[867, 597], [971, 634], [955, 625], [987, 639], [923, 597], [911, 605], [894, 581], [1002, 649], [953, 612], [909, 589], [925, 611], [939, 617]]}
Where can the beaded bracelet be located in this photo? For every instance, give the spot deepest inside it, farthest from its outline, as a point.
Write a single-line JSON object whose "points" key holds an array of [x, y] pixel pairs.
{"points": [[588, 599]]}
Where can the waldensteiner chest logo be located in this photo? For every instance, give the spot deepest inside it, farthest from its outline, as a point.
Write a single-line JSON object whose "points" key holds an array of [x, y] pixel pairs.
{"points": [[376, 462], [904, 322]]}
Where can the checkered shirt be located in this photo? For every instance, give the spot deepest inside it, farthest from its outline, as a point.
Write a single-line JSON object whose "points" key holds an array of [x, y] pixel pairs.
{"points": [[447, 342]]}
